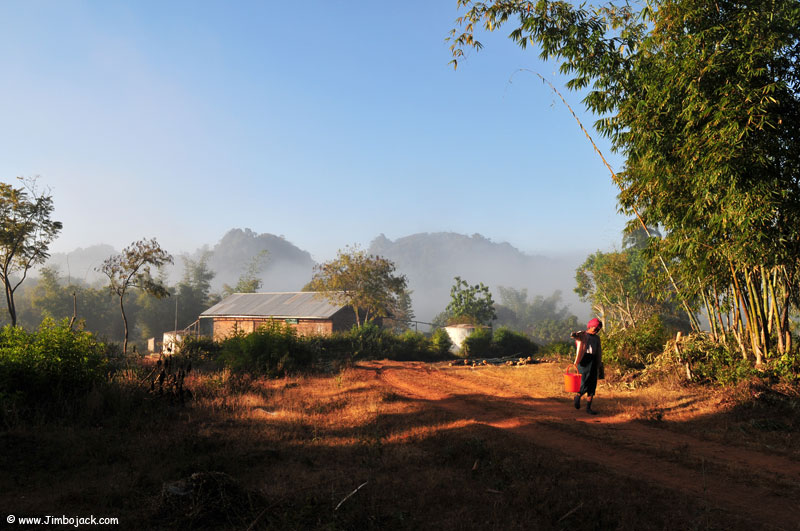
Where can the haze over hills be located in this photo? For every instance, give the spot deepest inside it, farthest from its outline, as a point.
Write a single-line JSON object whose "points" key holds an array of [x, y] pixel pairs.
{"points": [[429, 260], [80, 265], [432, 260], [285, 267]]}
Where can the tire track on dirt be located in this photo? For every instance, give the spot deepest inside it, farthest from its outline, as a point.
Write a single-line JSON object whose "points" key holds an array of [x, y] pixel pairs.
{"points": [[537, 420], [734, 459]]}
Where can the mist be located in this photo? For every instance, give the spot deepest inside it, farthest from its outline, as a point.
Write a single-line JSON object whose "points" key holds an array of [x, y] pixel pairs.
{"points": [[430, 261]]}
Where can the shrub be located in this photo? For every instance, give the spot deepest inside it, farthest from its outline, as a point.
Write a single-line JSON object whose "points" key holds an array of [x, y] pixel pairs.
{"points": [[478, 344], [200, 348], [371, 342], [411, 345], [441, 344], [710, 361], [509, 343], [636, 347], [560, 348], [52, 363], [273, 349]]}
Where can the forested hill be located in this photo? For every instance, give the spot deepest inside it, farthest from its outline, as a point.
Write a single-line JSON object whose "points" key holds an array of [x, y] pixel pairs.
{"points": [[285, 266], [431, 260]]}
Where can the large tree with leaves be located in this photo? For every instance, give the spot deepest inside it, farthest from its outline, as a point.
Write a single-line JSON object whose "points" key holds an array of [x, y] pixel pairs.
{"points": [[26, 232], [131, 269], [469, 303], [367, 283], [703, 100]]}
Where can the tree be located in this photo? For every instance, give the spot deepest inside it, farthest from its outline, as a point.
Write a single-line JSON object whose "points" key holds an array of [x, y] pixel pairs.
{"points": [[367, 283], [250, 280], [619, 285], [49, 298], [26, 232], [470, 304], [194, 290], [542, 318], [131, 269], [403, 313], [703, 100]]}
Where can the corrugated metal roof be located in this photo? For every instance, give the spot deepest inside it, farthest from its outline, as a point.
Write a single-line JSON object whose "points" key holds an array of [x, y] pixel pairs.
{"points": [[303, 304]]}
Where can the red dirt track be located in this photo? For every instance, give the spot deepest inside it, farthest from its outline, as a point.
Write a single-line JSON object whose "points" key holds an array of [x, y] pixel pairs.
{"points": [[755, 486]]}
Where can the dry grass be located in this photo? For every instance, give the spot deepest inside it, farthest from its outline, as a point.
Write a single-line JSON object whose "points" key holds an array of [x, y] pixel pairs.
{"points": [[298, 446]]}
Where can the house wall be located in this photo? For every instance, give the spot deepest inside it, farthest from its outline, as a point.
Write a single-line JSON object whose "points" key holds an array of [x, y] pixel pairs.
{"points": [[343, 320], [227, 326]]}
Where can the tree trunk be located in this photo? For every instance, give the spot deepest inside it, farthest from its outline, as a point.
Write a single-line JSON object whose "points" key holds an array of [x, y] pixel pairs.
{"points": [[775, 314], [12, 307], [738, 324], [712, 321], [755, 322], [125, 324], [718, 314], [74, 310]]}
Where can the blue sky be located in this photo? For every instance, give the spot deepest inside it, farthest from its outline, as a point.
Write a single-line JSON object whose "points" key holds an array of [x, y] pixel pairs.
{"points": [[328, 123]]}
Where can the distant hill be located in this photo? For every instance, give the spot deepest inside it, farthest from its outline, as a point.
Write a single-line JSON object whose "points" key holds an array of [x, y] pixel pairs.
{"points": [[80, 264], [431, 260], [287, 267]]}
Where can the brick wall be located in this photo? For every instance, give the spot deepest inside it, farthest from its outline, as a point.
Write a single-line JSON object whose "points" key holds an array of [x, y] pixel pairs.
{"points": [[226, 326], [343, 320]]}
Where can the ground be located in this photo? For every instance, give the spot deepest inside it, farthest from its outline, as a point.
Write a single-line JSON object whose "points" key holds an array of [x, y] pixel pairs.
{"points": [[412, 445], [752, 484]]}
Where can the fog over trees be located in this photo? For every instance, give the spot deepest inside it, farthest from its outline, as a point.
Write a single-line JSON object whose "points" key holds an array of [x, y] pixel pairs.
{"points": [[430, 261]]}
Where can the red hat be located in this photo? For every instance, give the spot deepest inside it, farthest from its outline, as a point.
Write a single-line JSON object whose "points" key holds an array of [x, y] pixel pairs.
{"points": [[594, 323]]}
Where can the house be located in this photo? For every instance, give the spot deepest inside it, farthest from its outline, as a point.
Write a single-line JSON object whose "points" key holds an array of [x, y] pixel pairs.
{"points": [[307, 312]]}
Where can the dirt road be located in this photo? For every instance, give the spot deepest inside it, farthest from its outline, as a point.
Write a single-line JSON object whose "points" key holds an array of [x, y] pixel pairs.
{"points": [[753, 485]]}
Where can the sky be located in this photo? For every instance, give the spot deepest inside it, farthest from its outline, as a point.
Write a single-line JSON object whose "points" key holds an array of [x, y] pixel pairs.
{"points": [[328, 123]]}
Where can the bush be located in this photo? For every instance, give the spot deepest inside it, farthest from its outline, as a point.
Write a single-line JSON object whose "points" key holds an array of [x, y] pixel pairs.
{"points": [[441, 344], [200, 348], [509, 343], [273, 349], [49, 364], [636, 347], [711, 362], [411, 345], [371, 342], [478, 344], [560, 348]]}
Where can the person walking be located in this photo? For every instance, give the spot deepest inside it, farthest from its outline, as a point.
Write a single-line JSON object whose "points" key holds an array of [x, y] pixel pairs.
{"points": [[588, 362]]}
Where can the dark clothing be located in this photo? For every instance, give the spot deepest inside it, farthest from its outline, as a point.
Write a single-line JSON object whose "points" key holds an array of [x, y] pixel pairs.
{"points": [[589, 365]]}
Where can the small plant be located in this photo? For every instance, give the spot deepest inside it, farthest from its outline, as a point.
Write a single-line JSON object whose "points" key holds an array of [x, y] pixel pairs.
{"points": [[169, 375]]}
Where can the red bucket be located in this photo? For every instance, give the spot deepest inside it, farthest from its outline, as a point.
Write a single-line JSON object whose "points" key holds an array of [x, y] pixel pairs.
{"points": [[572, 382]]}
